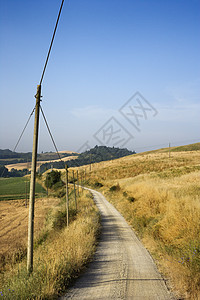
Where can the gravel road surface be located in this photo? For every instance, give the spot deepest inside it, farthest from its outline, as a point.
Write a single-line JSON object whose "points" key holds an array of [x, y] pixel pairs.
{"points": [[122, 268]]}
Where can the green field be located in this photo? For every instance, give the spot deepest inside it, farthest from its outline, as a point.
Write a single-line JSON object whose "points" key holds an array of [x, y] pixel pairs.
{"points": [[15, 188]]}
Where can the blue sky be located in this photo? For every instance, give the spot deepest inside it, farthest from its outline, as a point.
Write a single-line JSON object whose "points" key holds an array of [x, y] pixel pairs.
{"points": [[103, 54]]}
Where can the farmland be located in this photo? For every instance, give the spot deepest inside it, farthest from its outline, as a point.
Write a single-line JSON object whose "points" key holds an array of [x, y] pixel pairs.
{"points": [[17, 188], [14, 226], [21, 166]]}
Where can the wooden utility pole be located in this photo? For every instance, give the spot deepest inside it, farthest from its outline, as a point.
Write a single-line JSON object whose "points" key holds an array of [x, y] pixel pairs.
{"points": [[74, 191], [169, 150], [26, 190], [82, 182], [32, 184], [77, 184], [67, 196], [26, 201]]}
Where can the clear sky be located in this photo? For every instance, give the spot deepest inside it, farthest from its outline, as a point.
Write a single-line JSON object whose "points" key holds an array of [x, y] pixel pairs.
{"points": [[121, 72]]}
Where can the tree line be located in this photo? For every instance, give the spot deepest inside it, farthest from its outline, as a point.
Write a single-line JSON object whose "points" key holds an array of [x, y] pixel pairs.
{"points": [[94, 155]]}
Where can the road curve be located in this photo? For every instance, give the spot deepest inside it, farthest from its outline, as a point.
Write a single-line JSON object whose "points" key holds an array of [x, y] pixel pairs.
{"points": [[122, 268]]}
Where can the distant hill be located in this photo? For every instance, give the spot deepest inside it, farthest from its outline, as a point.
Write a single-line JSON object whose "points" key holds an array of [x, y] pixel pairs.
{"points": [[94, 155], [190, 147], [8, 157], [8, 154]]}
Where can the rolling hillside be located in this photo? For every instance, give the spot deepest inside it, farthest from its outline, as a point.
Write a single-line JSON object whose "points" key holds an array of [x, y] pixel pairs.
{"points": [[21, 161], [159, 196]]}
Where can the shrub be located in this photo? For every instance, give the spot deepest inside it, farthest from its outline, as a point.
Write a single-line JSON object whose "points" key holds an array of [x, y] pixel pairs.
{"points": [[131, 199], [54, 177], [98, 184], [115, 188], [60, 220], [61, 193]]}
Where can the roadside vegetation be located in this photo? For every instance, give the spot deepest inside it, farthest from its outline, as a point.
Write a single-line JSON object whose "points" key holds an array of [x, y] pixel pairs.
{"points": [[60, 252], [159, 197]]}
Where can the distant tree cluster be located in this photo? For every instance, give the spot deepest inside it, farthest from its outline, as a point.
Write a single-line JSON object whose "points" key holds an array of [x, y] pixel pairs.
{"points": [[13, 172], [94, 155], [8, 157], [8, 154]]}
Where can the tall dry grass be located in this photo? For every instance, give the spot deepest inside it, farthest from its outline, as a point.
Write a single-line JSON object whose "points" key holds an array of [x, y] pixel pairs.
{"points": [[60, 258], [160, 199], [14, 228]]}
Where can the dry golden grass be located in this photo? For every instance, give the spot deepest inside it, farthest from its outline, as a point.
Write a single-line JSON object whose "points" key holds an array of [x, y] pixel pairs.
{"points": [[69, 152], [134, 165], [14, 226], [60, 253], [65, 254], [60, 258], [159, 196]]}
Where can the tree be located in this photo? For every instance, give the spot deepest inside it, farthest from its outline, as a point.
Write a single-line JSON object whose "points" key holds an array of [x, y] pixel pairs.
{"points": [[52, 178]]}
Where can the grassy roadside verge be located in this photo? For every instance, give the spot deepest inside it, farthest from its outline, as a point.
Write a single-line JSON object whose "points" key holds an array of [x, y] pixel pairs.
{"points": [[166, 217], [59, 258], [159, 198]]}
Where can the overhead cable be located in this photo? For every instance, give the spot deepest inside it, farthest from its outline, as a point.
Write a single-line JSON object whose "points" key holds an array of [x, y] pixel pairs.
{"points": [[51, 135], [24, 129], [51, 42]]}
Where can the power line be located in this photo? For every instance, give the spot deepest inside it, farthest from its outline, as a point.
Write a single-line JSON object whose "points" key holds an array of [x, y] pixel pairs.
{"points": [[24, 129], [51, 42], [45, 120], [20, 137]]}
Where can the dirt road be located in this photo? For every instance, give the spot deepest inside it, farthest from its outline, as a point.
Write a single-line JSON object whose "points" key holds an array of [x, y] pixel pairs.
{"points": [[122, 268]]}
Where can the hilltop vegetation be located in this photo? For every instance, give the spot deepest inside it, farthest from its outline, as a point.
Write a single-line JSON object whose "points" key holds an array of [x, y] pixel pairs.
{"points": [[94, 155], [190, 147], [13, 173], [9, 157]]}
